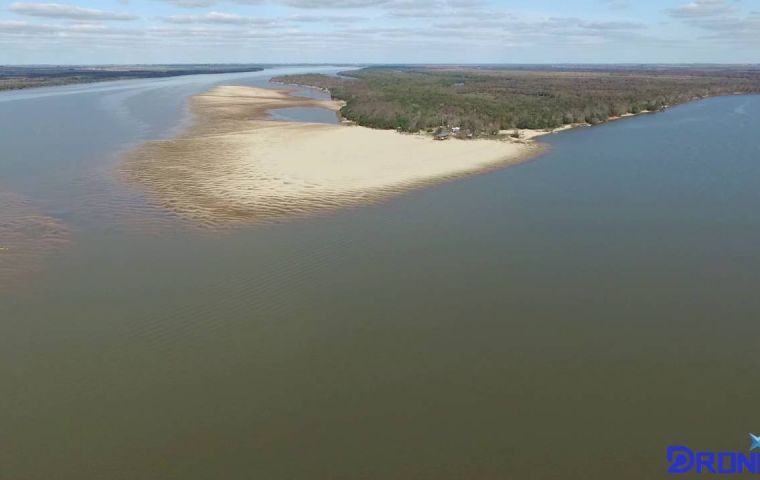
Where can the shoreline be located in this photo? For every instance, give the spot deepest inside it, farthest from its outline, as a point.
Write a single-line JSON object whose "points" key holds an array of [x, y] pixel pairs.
{"points": [[26, 79], [526, 135], [235, 165], [529, 135]]}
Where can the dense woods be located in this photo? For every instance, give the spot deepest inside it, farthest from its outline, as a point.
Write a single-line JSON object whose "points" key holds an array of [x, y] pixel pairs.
{"points": [[485, 100]]}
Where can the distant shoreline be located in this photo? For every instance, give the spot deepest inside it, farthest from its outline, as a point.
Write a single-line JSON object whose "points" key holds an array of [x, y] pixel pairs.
{"points": [[489, 102], [526, 135], [234, 166], [24, 78]]}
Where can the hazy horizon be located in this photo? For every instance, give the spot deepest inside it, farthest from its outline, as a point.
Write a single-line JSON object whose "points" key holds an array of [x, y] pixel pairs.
{"points": [[377, 64], [85, 32]]}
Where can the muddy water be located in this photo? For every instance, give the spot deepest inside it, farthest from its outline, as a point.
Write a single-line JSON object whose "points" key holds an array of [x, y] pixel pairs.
{"points": [[566, 318]]}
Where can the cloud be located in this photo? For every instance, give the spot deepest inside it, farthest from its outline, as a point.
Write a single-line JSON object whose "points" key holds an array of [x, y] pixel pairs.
{"points": [[71, 12], [702, 8], [721, 23], [23, 27], [192, 3], [218, 18], [333, 3], [558, 27], [324, 18], [306, 32], [209, 3], [439, 9], [478, 28], [617, 4], [353, 42], [611, 25], [306, 4], [421, 6], [38, 31], [740, 30]]}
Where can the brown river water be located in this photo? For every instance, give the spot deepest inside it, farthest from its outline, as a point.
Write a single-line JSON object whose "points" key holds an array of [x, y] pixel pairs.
{"points": [[566, 318]]}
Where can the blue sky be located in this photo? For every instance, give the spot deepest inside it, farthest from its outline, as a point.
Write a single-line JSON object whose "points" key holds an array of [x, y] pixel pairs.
{"points": [[380, 31]]}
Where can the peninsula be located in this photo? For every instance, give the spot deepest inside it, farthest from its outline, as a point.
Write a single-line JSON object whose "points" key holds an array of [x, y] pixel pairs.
{"points": [[236, 165], [489, 99]]}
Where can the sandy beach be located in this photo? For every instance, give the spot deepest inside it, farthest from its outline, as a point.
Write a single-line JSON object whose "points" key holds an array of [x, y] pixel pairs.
{"points": [[234, 165]]}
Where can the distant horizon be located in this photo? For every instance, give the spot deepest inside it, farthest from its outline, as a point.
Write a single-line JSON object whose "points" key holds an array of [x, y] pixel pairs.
{"points": [[389, 64]]}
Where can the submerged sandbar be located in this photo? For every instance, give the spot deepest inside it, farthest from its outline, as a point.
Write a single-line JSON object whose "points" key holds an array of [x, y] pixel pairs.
{"points": [[235, 165]]}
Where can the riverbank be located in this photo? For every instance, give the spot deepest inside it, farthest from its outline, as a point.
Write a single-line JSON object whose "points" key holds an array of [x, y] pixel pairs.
{"points": [[485, 100], [235, 165], [30, 76]]}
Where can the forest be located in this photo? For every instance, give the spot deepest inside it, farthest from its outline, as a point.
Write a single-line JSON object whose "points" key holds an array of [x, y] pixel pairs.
{"points": [[485, 100]]}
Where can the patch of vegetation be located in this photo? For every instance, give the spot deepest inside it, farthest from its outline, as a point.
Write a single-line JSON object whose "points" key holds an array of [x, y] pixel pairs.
{"points": [[486, 100]]}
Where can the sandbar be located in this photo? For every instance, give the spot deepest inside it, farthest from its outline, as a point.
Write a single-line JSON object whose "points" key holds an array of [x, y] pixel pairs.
{"points": [[27, 236], [234, 164]]}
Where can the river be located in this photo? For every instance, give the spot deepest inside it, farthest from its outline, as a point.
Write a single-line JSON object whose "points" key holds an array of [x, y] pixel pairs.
{"points": [[566, 318]]}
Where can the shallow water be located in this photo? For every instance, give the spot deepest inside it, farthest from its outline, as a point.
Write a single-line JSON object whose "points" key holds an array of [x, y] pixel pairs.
{"points": [[566, 318], [304, 114]]}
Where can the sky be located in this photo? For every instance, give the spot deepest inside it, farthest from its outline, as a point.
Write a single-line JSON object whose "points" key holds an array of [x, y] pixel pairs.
{"points": [[379, 31]]}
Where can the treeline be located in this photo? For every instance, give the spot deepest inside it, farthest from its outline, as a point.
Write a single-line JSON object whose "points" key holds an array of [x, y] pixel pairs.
{"points": [[485, 101], [17, 77]]}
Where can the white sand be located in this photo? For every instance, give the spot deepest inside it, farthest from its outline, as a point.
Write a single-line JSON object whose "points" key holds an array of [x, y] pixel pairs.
{"points": [[234, 166]]}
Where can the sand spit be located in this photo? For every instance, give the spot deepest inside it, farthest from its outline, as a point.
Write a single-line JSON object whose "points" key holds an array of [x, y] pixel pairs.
{"points": [[235, 166], [27, 236]]}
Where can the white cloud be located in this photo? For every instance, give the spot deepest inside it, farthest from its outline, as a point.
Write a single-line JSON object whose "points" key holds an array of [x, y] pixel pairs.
{"points": [[26, 28], [394, 29], [217, 18], [72, 12], [740, 30], [702, 8], [720, 22], [479, 29], [333, 3], [452, 9], [208, 3], [324, 18], [23, 27]]}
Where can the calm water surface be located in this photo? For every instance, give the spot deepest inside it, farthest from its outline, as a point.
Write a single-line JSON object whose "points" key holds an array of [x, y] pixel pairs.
{"points": [[304, 114], [567, 318]]}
